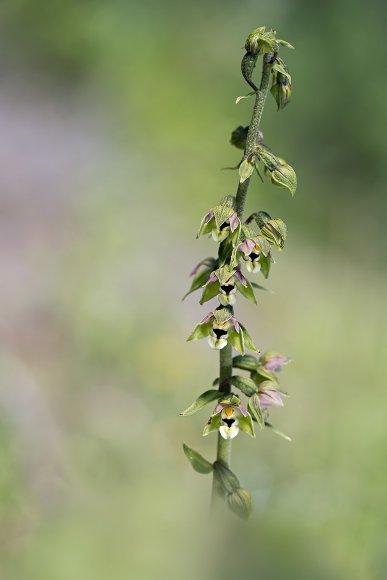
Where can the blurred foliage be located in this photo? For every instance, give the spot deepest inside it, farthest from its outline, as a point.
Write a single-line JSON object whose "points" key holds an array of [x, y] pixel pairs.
{"points": [[137, 101]]}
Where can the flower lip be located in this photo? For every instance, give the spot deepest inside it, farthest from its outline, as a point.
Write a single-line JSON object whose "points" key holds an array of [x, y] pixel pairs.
{"points": [[227, 288], [219, 332], [254, 256]]}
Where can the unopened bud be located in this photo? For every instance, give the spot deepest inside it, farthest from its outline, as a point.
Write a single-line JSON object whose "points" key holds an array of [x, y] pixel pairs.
{"points": [[240, 502]]}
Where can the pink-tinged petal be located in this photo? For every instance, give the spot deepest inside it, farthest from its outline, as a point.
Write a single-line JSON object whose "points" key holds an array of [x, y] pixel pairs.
{"points": [[270, 398], [275, 362], [235, 323], [209, 216], [247, 246], [243, 410], [211, 279], [238, 274], [234, 222], [207, 318], [219, 408]]}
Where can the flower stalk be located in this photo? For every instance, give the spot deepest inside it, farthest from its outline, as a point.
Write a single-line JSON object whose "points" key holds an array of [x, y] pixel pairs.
{"points": [[250, 242]]}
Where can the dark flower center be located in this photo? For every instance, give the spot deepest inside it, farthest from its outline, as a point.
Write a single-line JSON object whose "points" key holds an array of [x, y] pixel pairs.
{"points": [[254, 256], [224, 226], [227, 288], [219, 332], [228, 422]]}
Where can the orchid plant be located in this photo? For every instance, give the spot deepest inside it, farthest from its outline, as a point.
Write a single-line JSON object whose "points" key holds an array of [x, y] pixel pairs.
{"points": [[250, 243]]}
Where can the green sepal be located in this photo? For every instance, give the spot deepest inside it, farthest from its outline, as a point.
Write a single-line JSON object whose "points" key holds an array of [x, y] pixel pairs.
{"points": [[280, 67], [222, 314], [204, 399], [199, 281], [225, 249], [270, 426], [246, 169], [198, 462], [254, 408], [205, 228], [265, 262], [224, 210], [210, 290], [246, 291], [247, 339], [246, 362], [226, 477], [236, 339], [246, 424], [261, 375], [201, 330], [213, 424], [275, 231], [285, 176], [240, 503], [244, 384], [267, 157]]}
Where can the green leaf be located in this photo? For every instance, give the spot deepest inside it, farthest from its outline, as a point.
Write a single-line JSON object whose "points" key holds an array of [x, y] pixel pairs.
{"points": [[254, 408], [246, 169], [209, 292], [226, 477], [286, 437], [284, 43], [245, 362], [213, 424], [259, 287], [236, 340], [240, 503], [247, 339], [197, 461], [247, 291], [199, 281], [285, 176], [201, 330], [244, 384], [246, 425], [204, 399]]}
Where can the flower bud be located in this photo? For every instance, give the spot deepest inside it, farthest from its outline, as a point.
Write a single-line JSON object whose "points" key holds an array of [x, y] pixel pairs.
{"points": [[240, 502], [238, 137], [285, 176], [261, 41], [281, 92]]}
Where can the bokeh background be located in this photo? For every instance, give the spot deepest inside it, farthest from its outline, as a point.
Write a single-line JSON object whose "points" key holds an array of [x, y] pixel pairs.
{"points": [[115, 119]]}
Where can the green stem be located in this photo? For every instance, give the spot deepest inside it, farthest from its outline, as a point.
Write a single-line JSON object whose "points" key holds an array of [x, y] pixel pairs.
{"points": [[251, 140], [225, 361]]}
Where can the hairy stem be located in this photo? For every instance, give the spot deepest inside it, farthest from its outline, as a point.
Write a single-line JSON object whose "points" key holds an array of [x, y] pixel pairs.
{"points": [[251, 140], [225, 361]]}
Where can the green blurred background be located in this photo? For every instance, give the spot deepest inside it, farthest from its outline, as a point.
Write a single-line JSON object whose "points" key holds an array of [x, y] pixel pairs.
{"points": [[115, 119]]}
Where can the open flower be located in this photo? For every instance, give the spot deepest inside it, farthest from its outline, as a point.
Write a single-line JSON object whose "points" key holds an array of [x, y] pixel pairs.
{"points": [[224, 280], [222, 321], [251, 254], [229, 417], [221, 221], [221, 327], [269, 395]]}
